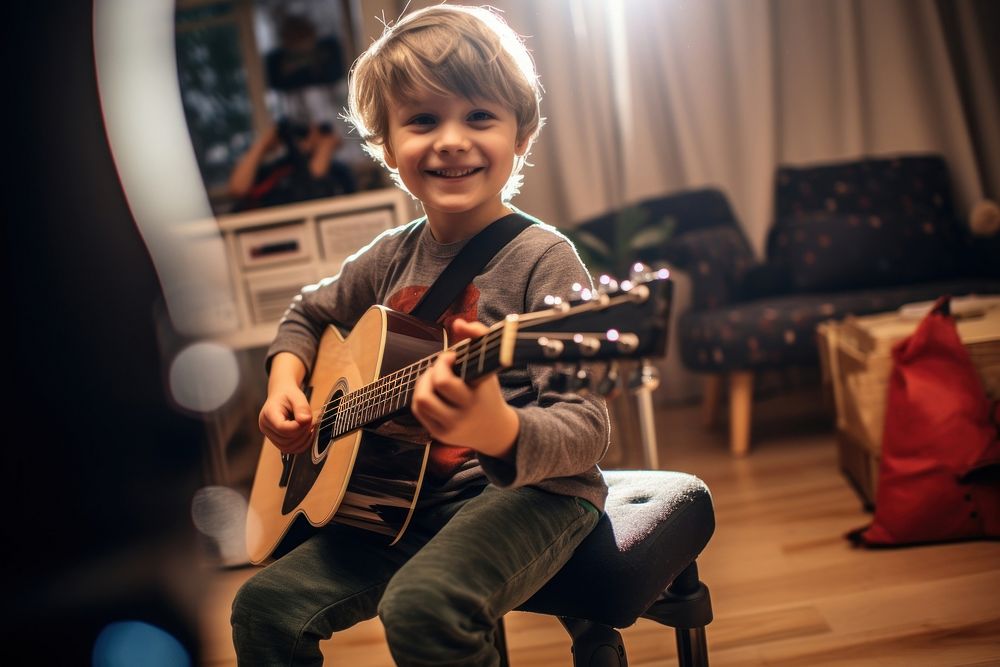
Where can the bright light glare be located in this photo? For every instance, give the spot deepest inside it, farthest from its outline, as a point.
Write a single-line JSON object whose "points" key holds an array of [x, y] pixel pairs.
{"points": [[144, 118], [203, 376], [220, 513]]}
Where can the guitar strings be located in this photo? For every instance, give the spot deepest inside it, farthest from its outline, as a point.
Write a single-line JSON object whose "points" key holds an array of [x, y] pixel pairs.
{"points": [[376, 390], [375, 393]]}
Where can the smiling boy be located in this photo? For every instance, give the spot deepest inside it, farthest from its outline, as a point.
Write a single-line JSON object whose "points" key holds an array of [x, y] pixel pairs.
{"points": [[447, 100], [454, 155]]}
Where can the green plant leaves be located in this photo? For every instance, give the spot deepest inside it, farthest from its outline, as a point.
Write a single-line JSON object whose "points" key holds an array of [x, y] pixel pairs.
{"points": [[632, 233]]}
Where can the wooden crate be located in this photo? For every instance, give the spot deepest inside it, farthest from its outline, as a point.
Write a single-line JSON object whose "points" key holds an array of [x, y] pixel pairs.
{"points": [[856, 360]]}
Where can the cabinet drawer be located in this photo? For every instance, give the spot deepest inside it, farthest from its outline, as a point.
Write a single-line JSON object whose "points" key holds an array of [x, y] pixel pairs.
{"points": [[274, 245]]}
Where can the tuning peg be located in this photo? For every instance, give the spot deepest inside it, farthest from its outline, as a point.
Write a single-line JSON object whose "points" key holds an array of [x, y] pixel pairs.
{"points": [[638, 272], [588, 345], [638, 293], [582, 292], [566, 379], [642, 273], [552, 348], [627, 342], [607, 285], [556, 302], [611, 383], [645, 377]]}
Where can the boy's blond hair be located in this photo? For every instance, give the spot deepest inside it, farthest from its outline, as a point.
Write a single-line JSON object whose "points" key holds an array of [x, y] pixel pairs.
{"points": [[447, 50]]}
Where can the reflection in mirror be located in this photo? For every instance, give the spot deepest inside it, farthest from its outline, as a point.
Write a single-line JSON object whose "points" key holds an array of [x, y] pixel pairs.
{"points": [[264, 84]]}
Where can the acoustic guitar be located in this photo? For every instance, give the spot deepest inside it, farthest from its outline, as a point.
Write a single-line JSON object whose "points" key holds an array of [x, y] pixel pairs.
{"points": [[364, 468]]}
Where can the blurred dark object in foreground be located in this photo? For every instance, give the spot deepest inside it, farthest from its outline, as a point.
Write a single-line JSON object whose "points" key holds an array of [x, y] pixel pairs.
{"points": [[99, 470]]}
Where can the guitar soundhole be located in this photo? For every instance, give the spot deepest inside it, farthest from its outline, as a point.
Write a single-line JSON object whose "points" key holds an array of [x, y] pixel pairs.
{"points": [[328, 424]]}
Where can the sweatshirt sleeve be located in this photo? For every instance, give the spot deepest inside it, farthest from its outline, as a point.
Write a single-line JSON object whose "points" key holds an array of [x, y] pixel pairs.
{"points": [[339, 300], [561, 434]]}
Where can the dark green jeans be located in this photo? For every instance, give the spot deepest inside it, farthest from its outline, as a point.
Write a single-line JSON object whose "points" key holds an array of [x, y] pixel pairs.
{"points": [[439, 592]]}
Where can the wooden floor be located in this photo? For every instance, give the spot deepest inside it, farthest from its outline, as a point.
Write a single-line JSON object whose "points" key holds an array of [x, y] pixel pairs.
{"points": [[787, 589]]}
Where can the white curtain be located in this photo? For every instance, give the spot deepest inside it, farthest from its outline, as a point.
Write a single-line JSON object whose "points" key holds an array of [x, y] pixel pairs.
{"points": [[645, 97]]}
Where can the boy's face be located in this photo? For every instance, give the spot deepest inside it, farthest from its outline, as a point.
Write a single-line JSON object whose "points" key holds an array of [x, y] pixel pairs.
{"points": [[454, 155]]}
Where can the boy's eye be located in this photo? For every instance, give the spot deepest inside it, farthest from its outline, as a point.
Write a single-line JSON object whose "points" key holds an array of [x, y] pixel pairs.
{"points": [[422, 119], [480, 116]]}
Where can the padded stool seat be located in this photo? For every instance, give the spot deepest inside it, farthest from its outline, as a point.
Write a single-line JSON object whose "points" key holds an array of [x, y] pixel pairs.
{"points": [[655, 525]]}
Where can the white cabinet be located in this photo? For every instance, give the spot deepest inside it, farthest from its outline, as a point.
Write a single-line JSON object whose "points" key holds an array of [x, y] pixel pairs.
{"points": [[272, 253]]}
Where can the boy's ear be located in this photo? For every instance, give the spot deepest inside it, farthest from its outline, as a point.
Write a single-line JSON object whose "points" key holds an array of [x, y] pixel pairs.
{"points": [[521, 147], [387, 155]]}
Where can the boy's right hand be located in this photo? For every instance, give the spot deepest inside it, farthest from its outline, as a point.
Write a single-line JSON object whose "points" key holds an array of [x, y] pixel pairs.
{"points": [[286, 419]]}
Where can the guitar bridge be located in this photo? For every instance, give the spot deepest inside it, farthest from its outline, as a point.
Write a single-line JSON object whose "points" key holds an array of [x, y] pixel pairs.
{"points": [[286, 470]]}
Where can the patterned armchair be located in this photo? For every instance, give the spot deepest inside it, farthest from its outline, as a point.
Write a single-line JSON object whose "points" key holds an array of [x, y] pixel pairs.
{"points": [[849, 238]]}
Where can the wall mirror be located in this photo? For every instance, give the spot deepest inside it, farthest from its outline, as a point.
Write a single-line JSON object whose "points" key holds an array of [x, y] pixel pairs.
{"points": [[263, 85]]}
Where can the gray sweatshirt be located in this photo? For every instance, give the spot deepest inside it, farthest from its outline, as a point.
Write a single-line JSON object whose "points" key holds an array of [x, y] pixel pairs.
{"points": [[562, 436]]}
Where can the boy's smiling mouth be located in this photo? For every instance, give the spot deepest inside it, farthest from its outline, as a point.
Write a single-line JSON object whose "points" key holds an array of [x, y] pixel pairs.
{"points": [[454, 173]]}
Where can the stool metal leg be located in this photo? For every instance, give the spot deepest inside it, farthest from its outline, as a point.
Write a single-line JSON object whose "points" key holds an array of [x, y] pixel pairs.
{"points": [[686, 606], [648, 380], [692, 649]]}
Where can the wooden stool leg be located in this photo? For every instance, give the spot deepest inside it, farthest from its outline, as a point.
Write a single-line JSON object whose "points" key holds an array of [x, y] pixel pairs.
{"points": [[740, 408], [712, 392]]}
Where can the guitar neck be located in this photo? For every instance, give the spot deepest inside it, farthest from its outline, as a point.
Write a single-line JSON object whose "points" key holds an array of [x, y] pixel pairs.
{"points": [[390, 395], [598, 328]]}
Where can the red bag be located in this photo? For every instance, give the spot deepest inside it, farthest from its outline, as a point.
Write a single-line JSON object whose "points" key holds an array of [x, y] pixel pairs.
{"points": [[939, 477]]}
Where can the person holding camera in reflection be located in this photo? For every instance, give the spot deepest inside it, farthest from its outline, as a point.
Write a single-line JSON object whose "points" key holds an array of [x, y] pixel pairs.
{"points": [[290, 162]]}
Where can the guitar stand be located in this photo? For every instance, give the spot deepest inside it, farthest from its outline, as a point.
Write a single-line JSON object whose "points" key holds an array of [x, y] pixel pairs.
{"points": [[646, 380]]}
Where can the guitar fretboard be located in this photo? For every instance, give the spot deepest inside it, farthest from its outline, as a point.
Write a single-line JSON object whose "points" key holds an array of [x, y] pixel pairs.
{"points": [[391, 393]]}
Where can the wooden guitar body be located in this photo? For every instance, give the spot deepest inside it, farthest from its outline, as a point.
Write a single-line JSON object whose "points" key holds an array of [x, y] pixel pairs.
{"points": [[365, 478]]}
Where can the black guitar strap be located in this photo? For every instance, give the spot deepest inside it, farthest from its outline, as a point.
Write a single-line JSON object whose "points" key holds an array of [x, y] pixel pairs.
{"points": [[466, 265]]}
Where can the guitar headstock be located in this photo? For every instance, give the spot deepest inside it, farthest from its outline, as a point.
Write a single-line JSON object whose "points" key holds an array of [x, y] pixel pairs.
{"points": [[626, 320]]}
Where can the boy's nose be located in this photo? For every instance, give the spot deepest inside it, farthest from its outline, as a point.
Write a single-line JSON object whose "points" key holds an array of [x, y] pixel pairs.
{"points": [[451, 138]]}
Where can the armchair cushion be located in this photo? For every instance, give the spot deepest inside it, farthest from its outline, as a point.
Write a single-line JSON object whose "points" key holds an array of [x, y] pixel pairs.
{"points": [[874, 185], [768, 279], [825, 252], [781, 331]]}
